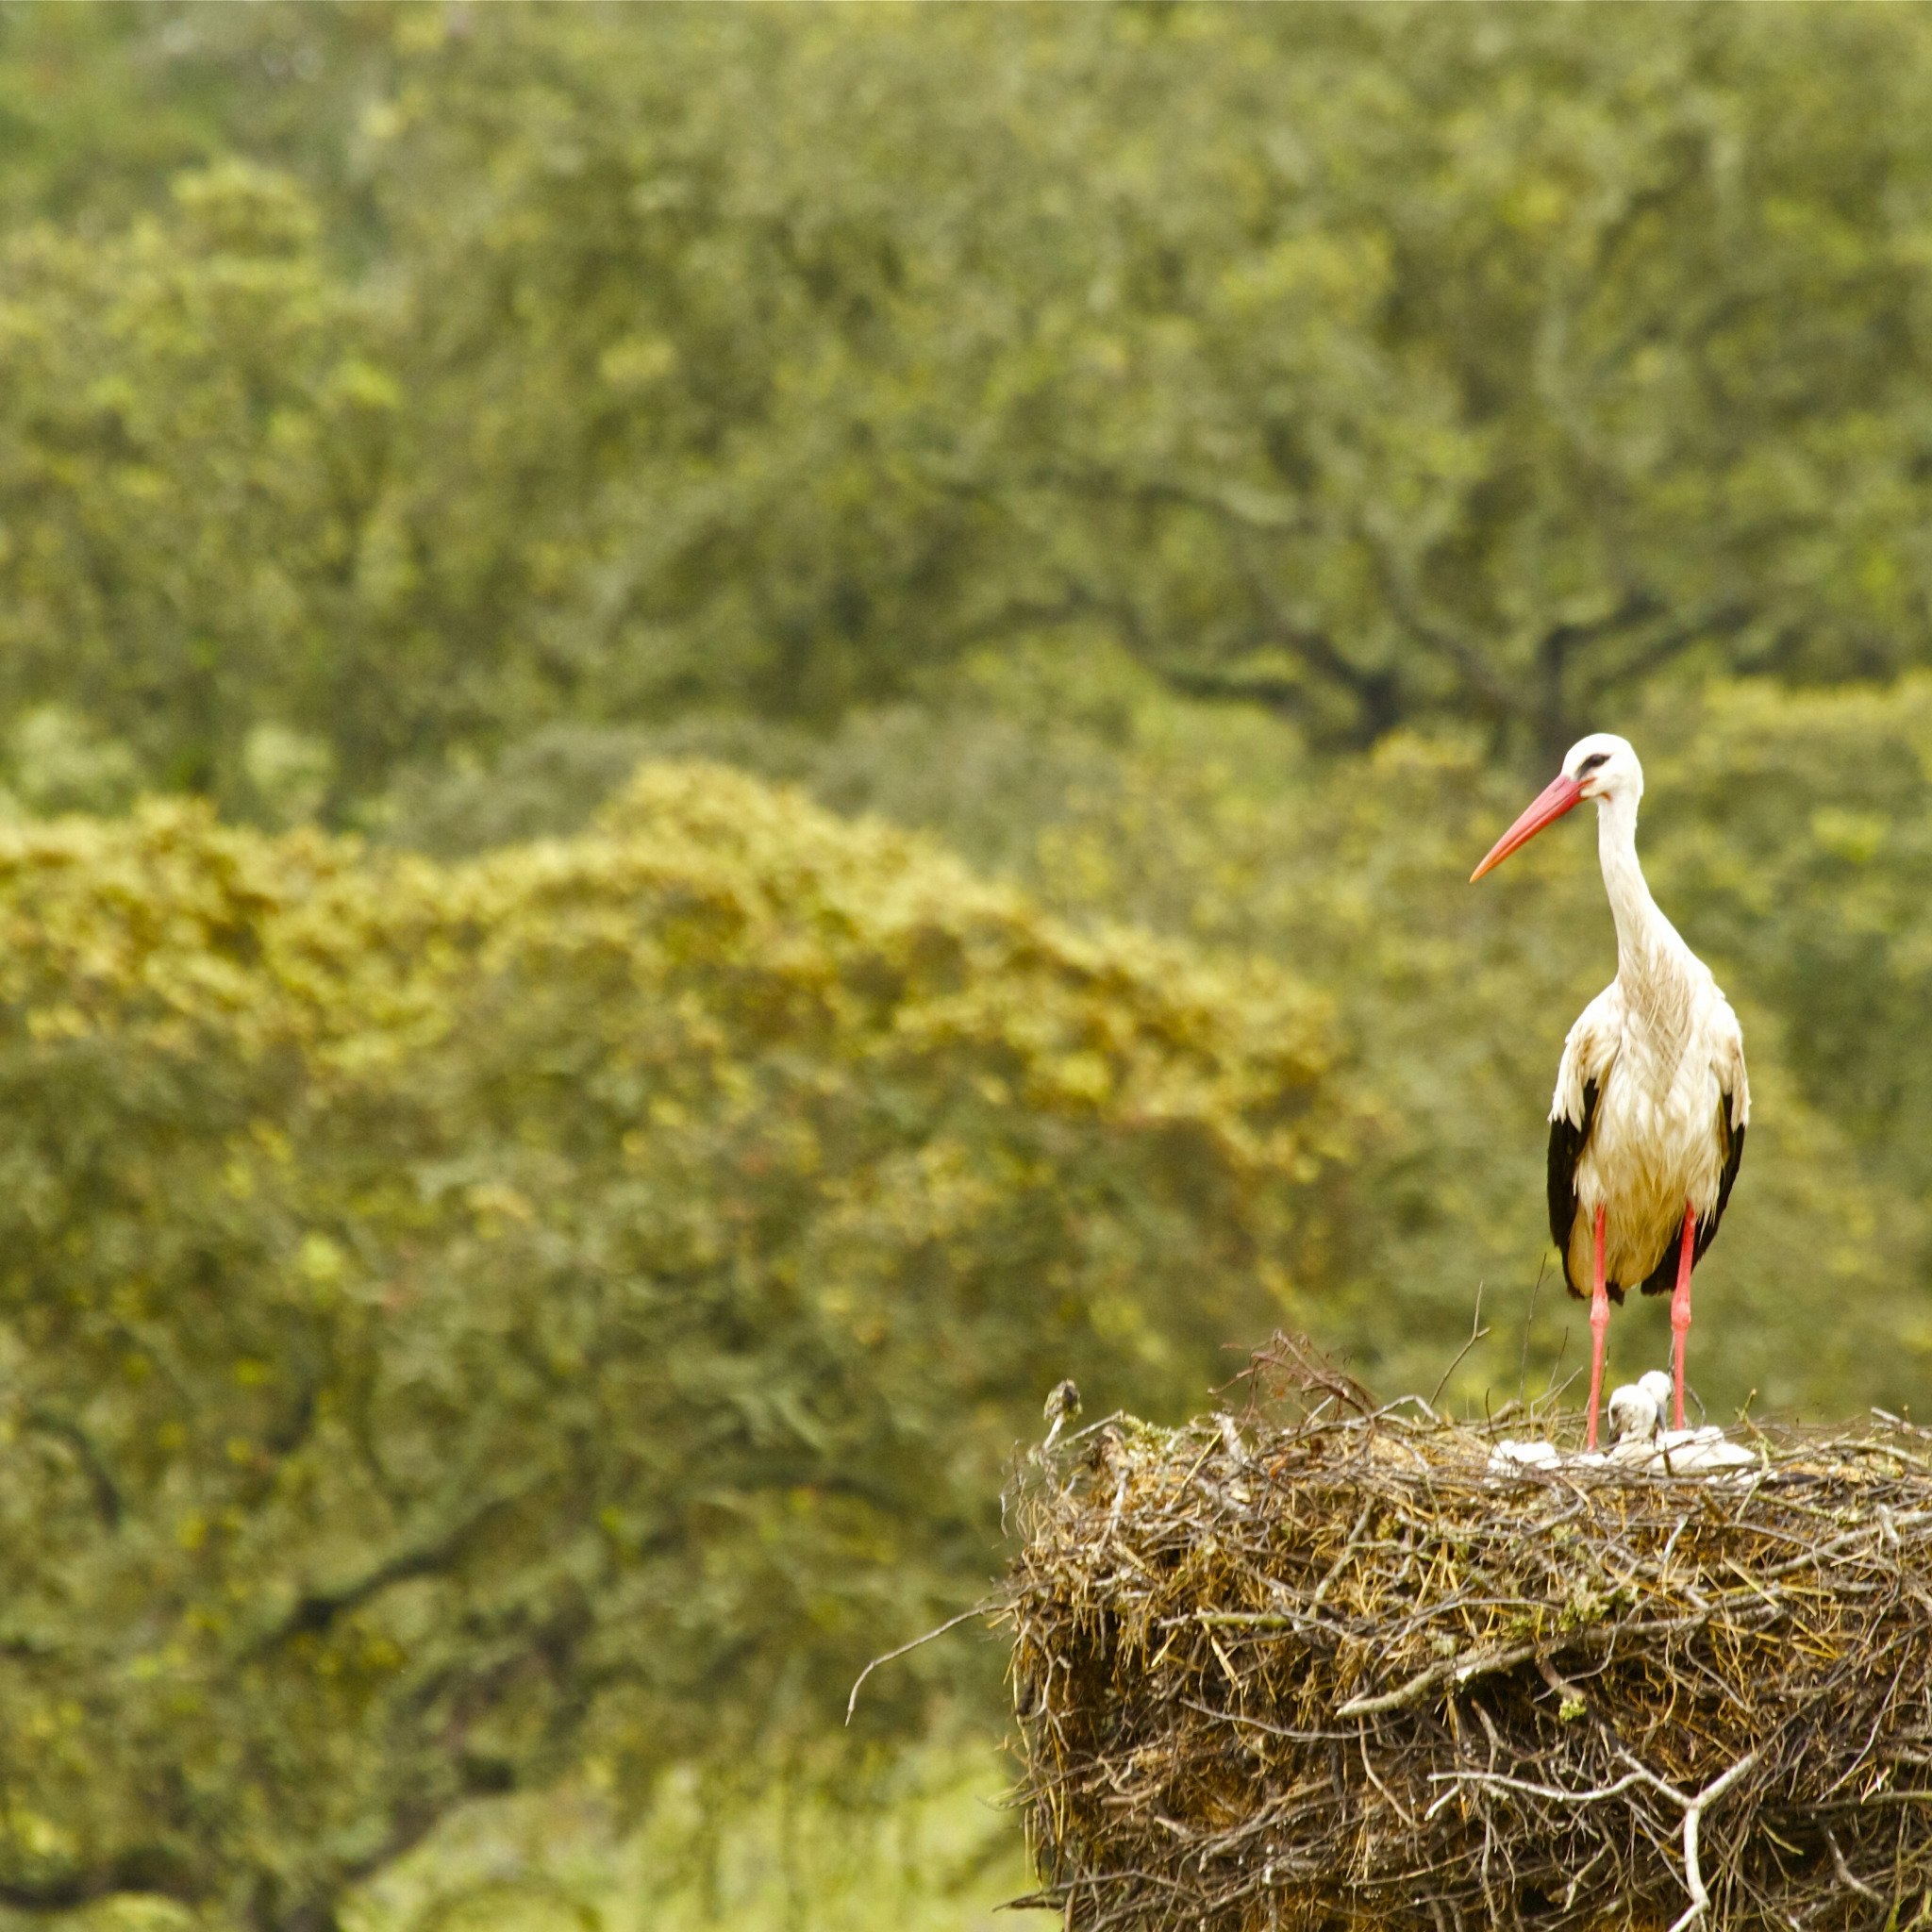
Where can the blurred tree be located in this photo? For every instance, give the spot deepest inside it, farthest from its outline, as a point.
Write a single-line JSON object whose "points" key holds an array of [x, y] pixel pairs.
{"points": [[456, 1323], [1800, 831], [100, 106], [1785, 835], [191, 453], [464, 1319], [89, 122], [1373, 364], [58, 760]]}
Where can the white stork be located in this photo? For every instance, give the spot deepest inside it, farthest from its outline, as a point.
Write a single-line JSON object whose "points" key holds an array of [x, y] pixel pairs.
{"points": [[1647, 1125]]}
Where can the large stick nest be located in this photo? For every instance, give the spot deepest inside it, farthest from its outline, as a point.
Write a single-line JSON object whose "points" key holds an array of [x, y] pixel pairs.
{"points": [[1329, 1671]]}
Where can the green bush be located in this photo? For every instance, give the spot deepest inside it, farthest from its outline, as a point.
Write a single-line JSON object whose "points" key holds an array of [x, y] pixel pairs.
{"points": [[577, 1304]]}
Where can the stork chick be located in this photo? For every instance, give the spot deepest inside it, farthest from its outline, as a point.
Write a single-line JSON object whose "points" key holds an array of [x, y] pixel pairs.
{"points": [[1637, 1409], [1647, 1124]]}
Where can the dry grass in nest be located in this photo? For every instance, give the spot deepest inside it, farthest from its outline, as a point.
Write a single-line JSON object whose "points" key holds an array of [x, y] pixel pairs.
{"points": [[1315, 1666]]}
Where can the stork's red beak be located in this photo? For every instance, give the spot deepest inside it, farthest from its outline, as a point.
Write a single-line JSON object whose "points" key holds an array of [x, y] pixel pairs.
{"points": [[1549, 805]]}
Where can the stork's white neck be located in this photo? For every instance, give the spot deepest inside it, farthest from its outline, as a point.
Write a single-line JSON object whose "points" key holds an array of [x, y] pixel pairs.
{"points": [[1644, 936]]}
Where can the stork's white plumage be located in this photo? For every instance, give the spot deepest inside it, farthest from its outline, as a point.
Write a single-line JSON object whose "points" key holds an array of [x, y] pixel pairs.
{"points": [[1647, 1125], [1637, 1410]]}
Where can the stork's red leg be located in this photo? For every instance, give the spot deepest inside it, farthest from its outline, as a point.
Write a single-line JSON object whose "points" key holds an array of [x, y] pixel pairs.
{"points": [[1680, 1314], [1599, 1324]]}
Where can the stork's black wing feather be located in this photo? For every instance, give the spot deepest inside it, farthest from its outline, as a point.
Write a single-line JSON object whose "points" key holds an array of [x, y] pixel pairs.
{"points": [[1567, 1143], [1734, 1160], [1663, 1277]]}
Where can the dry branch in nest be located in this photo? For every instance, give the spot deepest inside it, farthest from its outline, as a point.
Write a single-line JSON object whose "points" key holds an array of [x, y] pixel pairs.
{"points": [[1318, 1666]]}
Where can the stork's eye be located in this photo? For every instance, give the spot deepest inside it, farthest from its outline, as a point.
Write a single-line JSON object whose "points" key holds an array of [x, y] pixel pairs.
{"points": [[1591, 762]]}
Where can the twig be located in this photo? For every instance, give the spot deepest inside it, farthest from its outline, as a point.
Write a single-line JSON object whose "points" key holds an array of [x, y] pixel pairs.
{"points": [[979, 1609], [1846, 1877], [1460, 1668], [1693, 1818], [1348, 1549], [1566, 1691], [1554, 1794], [1395, 1803], [1693, 1809], [1530, 1323], [1476, 1333]]}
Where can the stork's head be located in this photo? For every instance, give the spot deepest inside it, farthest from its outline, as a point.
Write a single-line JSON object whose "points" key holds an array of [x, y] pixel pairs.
{"points": [[1602, 766]]}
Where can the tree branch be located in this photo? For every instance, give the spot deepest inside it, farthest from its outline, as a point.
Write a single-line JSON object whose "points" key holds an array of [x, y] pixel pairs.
{"points": [[318, 1608], [110, 1506], [1248, 504], [1502, 698], [152, 1869]]}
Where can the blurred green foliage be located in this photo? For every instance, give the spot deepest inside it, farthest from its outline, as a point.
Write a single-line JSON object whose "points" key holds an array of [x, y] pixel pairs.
{"points": [[930, 1852], [479, 367], [462, 1324], [922, 613], [1782, 831]]}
